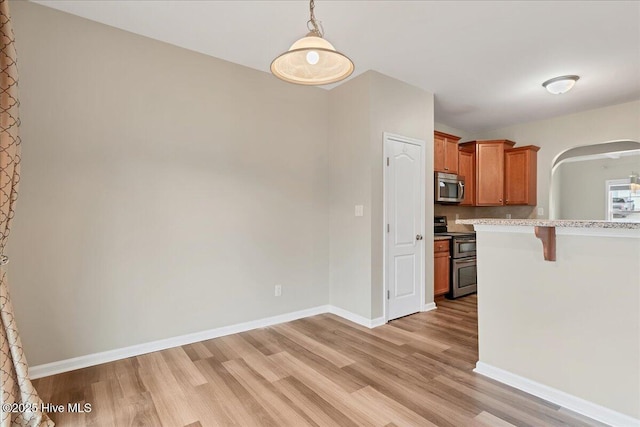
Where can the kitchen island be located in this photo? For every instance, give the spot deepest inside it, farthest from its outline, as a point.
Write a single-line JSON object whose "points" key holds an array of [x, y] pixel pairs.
{"points": [[559, 312]]}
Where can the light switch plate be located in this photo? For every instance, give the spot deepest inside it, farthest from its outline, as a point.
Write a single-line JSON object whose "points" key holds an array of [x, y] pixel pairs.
{"points": [[509, 216], [540, 211], [359, 210]]}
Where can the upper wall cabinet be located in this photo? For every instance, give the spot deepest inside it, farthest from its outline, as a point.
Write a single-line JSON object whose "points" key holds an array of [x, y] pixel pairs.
{"points": [[520, 175], [502, 175], [489, 173], [467, 169], [445, 155]]}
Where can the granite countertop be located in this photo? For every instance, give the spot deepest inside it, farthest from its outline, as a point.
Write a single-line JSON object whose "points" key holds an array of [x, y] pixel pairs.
{"points": [[552, 223], [441, 237]]}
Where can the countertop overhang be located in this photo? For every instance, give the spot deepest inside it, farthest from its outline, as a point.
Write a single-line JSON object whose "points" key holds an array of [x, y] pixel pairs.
{"points": [[546, 229], [564, 223]]}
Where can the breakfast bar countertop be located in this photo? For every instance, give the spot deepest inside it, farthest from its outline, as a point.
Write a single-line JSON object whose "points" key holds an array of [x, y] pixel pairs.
{"points": [[567, 223]]}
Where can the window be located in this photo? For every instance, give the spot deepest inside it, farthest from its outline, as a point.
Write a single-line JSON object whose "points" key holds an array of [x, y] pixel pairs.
{"points": [[623, 204]]}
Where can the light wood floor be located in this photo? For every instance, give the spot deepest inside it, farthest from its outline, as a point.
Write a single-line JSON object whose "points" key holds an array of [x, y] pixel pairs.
{"points": [[319, 371]]}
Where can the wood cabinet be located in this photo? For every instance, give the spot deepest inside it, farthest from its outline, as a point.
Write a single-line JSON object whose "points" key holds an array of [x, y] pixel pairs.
{"points": [[440, 267], [445, 152], [489, 170], [467, 169], [521, 175]]}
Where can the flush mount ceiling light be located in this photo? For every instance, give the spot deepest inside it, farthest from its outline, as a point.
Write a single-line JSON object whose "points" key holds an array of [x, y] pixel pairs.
{"points": [[312, 60], [562, 84]]}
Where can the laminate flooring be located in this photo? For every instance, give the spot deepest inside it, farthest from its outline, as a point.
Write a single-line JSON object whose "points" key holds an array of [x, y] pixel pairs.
{"points": [[318, 371]]}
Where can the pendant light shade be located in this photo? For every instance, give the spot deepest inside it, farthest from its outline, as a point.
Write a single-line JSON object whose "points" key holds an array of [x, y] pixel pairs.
{"points": [[312, 60]]}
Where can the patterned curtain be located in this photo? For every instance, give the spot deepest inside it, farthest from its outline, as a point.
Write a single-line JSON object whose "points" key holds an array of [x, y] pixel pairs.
{"points": [[21, 405]]}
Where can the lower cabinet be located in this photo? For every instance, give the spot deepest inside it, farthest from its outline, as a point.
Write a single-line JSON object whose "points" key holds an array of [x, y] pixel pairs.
{"points": [[441, 267]]}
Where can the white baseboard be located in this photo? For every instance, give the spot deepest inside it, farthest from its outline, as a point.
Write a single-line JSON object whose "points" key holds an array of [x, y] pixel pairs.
{"points": [[80, 362], [53, 368], [566, 400], [378, 321], [356, 318], [429, 306]]}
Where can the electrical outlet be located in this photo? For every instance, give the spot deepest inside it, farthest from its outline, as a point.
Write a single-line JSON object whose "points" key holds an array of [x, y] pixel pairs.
{"points": [[457, 217], [508, 216], [540, 211], [278, 290]]}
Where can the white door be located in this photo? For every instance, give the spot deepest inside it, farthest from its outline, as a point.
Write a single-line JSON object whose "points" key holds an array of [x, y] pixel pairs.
{"points": [[405, 203]]}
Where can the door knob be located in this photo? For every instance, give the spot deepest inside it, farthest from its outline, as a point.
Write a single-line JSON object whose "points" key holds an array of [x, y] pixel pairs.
{"points": [[419, 237]]}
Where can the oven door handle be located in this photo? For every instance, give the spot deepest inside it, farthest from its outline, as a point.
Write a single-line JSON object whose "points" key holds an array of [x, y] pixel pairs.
{"points": [[465, 241], [471, 261]]}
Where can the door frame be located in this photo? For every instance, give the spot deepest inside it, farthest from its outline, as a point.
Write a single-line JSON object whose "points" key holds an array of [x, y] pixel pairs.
{"points": [[386, 136], [607, 189]]}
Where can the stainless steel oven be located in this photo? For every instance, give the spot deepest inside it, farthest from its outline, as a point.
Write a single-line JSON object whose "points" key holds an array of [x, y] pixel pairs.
{"points": [[464, 277], [449, 188], [463, 265], [464, 246], [463, 259]]}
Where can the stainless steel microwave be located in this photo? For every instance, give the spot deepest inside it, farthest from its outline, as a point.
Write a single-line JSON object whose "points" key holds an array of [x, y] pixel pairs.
{"points": [[449, 188]]}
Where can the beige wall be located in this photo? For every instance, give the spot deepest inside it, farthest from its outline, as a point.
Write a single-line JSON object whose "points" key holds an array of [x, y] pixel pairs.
{"points": [[362, 109], [554, 136], [163, 192], [350, 185], [582, 185], [572, 324]]}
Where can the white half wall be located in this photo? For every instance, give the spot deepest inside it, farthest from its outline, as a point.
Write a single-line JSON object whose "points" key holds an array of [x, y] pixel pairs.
{"points": [[572, 325]]}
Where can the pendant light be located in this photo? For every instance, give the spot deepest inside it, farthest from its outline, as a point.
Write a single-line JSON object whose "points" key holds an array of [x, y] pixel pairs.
{"points": [[312, 60]]}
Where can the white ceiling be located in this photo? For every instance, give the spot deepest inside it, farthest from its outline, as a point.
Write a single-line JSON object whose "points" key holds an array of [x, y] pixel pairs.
{"points": [[484, 60]]}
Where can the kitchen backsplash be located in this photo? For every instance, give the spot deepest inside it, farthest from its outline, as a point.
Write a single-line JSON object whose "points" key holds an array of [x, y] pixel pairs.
{"points": [[450, 211]]}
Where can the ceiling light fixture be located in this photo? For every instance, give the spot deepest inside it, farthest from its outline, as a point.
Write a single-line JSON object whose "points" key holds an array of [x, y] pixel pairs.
{"points": [[562, 84], [312, 60]]}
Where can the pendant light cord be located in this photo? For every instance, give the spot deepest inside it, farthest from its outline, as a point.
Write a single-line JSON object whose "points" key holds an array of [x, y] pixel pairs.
{"points": [[315, 27]]}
